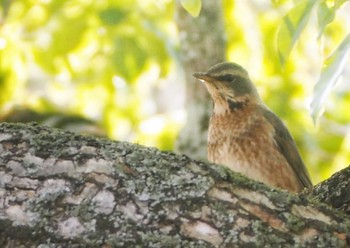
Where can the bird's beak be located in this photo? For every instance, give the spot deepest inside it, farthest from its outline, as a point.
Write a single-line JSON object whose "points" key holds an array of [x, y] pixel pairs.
{"points": [[203, 76]]}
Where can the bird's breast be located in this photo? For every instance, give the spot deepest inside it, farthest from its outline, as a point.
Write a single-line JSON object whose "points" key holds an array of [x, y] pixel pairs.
{"points": [[244, 142]]}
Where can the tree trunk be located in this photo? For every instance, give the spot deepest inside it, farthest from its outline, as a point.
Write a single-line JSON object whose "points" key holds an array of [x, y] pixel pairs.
{"points": [[62, 189], [202, 44]]}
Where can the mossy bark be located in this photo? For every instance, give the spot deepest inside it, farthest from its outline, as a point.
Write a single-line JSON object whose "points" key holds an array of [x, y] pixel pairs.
{"points": [[62, 189]]}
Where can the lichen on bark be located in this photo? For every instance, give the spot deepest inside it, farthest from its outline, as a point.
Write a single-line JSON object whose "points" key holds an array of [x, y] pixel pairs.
{"points": [[57, 188]]}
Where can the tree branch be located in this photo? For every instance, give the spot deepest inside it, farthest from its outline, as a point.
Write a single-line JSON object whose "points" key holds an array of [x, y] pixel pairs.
{"points": [[64, 189], [335, 191]]}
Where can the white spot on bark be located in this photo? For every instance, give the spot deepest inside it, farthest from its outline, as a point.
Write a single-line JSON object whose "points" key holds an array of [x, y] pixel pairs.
{"points": [[311, 213], [4, 179], [104, 202], [70, 227], [31, 159], [53, 166], [221, 195], [258, 198], [24, 183], [98, 166], [88, 149], [16, 168], [130, 211], [88, 192], [5, 136], [19, 216], [201, 230], [53, 188]]}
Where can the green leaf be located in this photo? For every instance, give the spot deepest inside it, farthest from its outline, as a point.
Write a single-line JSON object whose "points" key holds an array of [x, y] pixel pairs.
{"points": [[332, 69], [112, 16], [325, 15], [192, 6], [292, 26], [128, 57], [339, 3]]}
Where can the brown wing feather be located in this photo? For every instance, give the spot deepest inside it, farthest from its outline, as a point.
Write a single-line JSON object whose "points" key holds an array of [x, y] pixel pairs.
{"points": [[288, 147]]}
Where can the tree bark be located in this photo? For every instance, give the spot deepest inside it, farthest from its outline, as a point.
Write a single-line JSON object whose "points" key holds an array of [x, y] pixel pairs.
{"points": [[202, 44], [62, 189], [335, 191]]}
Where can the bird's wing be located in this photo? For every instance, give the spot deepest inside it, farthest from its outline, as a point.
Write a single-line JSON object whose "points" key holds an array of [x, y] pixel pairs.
{"points": [[288, 147]]}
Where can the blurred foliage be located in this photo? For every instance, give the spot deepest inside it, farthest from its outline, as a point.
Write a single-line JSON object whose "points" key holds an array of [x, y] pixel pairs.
{"points": [[64, 121], [88, 58], [116, 63], [192, 6], [291, 27], [333, 68], [289, 32]]}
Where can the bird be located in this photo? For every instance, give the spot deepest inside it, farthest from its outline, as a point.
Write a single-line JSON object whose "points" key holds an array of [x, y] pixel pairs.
{"points": [[246, 136]]}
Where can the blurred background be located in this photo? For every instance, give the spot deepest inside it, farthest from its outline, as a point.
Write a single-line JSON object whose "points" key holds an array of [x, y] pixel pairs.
{"points": [[123, 69]]}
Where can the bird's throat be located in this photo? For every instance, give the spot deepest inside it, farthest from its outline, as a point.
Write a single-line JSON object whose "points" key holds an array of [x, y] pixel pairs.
{"points": [[229, 106], [236, 105]]}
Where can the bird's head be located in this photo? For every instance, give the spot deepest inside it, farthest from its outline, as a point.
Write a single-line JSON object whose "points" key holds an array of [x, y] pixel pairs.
{"points": [[229, 85]]}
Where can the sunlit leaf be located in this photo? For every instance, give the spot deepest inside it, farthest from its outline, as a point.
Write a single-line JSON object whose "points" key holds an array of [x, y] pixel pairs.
{"points": [[68, 36], [325, 15], [339, 3], [332, 69], [112, 16], [192, 6], [128, 57], [277, 3], [292, 26]]}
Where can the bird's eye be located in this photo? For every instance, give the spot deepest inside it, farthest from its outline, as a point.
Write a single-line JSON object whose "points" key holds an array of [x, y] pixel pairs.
{"points": [[227, 78]]}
